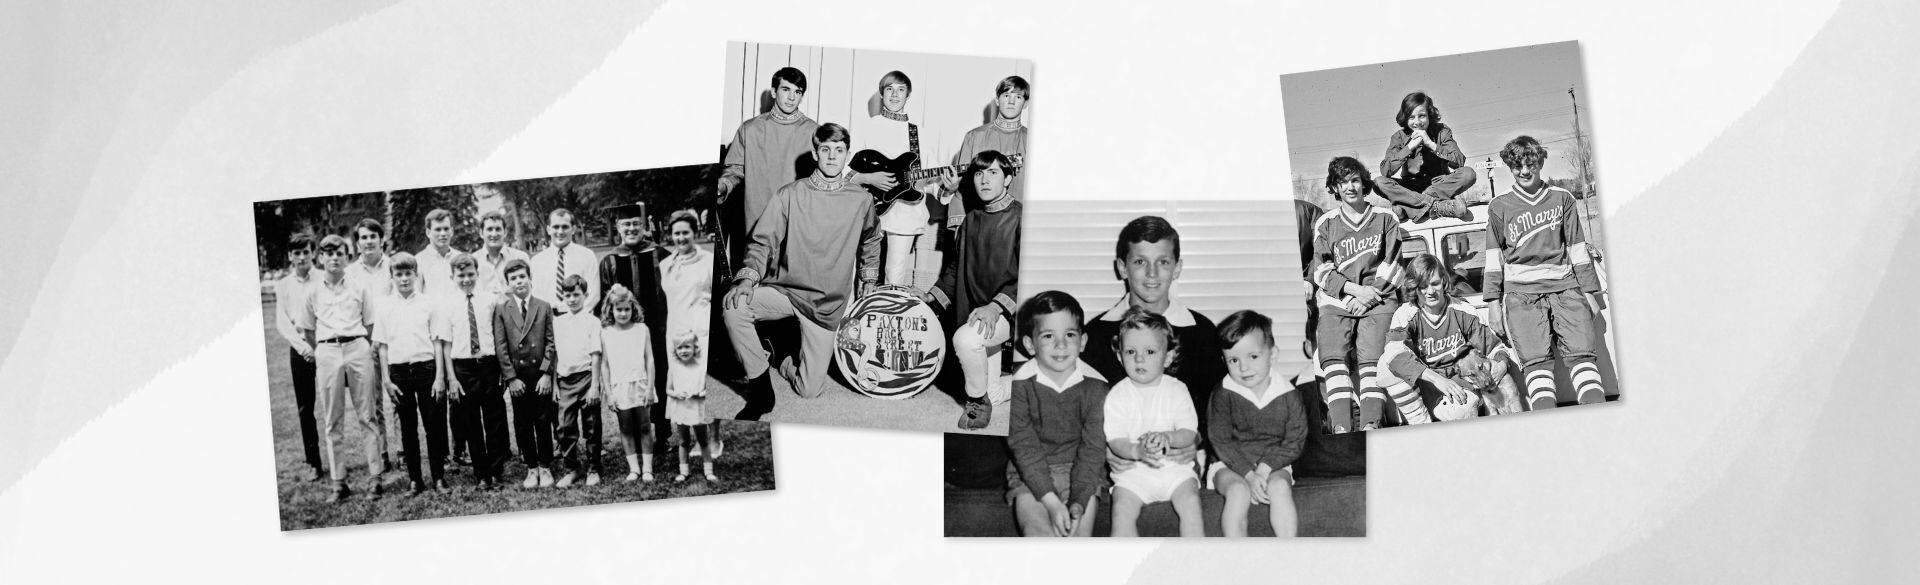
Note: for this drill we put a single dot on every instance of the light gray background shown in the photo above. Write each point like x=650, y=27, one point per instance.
x=1758, y=163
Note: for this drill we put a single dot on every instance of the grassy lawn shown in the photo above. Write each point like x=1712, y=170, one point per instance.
x=746, y=466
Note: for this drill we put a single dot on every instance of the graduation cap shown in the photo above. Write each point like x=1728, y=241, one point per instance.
x=626, y=211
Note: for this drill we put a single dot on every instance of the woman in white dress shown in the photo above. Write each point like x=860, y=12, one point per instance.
x=686, y=278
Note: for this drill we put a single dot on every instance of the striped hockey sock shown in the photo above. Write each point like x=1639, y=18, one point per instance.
x=1373, y=400
x=1407, y=399
x=1338, y=391
x=1586, y=383
x=1540, y=393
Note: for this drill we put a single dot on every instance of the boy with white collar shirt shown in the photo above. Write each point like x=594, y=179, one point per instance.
x=494, y=253
x=1057, y=433
x=335, y=316
x=407, y=334
x=289, y=292
x=436, y=269
x=1257, y=429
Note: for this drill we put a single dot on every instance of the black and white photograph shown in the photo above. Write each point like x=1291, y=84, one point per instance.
x=870, y=206
x=1456, y=266
x=1162, y=388
x=496, y=347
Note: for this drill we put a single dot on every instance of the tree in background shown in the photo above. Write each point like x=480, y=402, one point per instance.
x=409, y=212
x=525, y=202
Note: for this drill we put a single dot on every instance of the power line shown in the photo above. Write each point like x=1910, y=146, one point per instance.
x=1515, y=120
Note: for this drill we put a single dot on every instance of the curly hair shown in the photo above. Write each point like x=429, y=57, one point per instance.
x=619, y=295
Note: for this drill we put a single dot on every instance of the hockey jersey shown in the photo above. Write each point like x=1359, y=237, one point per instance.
x=1535, y=244
x=1417, y=341
x=1365, y=251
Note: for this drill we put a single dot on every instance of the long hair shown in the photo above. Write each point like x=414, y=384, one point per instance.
x=1415, y=100
x=618, y=296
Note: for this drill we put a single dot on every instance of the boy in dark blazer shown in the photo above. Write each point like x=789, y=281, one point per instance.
x=523, y=341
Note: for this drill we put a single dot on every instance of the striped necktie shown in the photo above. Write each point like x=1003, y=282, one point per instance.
x=473, y=329
x=560, y=271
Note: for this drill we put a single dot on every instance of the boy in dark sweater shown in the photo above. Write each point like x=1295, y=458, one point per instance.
x=1057, y=434
x=1258, y=428
x=979, y=284
x=1147, y=258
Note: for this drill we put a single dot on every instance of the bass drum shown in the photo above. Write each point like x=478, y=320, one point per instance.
x=890, y=345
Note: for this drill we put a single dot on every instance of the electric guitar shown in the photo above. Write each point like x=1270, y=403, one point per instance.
x=904, y=175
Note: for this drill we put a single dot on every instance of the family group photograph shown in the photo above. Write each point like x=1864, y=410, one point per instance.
x=1162, y=387
x=495, y=347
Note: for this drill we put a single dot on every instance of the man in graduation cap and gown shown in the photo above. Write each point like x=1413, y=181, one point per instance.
x=635, y=264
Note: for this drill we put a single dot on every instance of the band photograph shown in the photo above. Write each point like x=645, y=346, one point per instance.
x=870, y=210
x=1456, y=263
x=495, y=347
x=1161, y=387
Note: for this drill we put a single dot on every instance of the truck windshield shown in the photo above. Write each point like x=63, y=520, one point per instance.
x=1465, y=254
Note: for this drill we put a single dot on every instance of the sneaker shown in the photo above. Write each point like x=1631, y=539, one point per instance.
x=415, y=488
x=440, y=485
x=711, y=478
x=718, y=446
x=632, y=476
x=976, y=415
x=546, y=478
x=593, y=479
x=376, y=490
x=533, y=479
x=566, y=481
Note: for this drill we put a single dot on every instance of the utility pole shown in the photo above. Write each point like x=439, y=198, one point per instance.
x=1583, y=163
x=1492, y=190
x=1585, y=157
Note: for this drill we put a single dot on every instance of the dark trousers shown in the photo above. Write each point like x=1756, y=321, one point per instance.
x=1413, y=194
x=533, y=424
x=579, y=430
x=481, y=413
x=303, y=377
x=417, y=405
x=657, y=412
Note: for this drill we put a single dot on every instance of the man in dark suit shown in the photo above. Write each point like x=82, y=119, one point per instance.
x=523, y=341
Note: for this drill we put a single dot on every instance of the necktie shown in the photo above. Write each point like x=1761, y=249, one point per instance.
x=473, y=329
x=560, y=271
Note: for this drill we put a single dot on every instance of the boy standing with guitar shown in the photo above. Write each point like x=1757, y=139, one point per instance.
x=905, y=216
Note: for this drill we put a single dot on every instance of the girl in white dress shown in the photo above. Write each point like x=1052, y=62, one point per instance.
x=686, y=276
x=626, y=371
